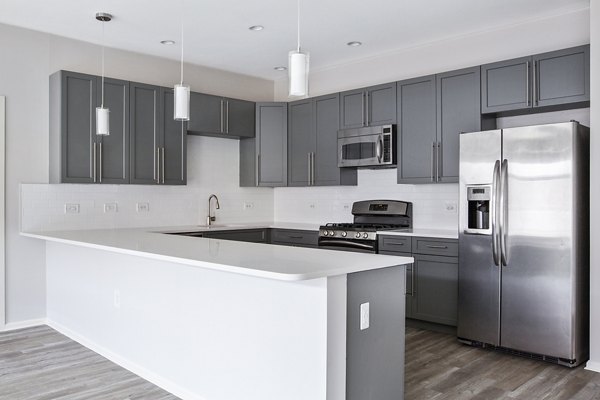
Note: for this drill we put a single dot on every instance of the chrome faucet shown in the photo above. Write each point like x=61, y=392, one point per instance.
x=210, y=219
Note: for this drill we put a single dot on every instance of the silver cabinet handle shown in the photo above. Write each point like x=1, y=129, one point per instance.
x=527, y=81
x=438, y=161
x=495, y=200
x=367, y=107
x=158, y=165
x=100, y=163
x=258, y=169
x=227, y=117
x=222, y=116
x=435, y=246
x=504, y=212
x=313, y=169
x=432, y=161
x=308, y=171
x=94, y=161
x=362, y=113
x=163, y=164
x=535, y=95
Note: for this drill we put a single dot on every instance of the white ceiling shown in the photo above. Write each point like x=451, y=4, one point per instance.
x=217, y=34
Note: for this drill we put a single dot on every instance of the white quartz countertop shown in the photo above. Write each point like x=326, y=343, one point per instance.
x=254, y=259
x=432, y=233
x=234, y=226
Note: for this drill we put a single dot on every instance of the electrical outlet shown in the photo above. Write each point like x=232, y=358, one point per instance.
x=248, y=205
x=450, y=207
x=110, y=207
x=312, y=206
x=364, y=316
x=117, y=298
x=142, y=207
x=71, y=208
x=346, y=207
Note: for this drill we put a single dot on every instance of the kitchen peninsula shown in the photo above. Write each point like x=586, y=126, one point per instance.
x=220, y=319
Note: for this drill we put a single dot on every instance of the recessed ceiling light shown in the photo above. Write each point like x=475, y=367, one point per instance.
x=280, y=68
x=167, y=42
x=354, y=44
x=256, y=28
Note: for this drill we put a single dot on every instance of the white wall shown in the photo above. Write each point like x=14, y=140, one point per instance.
x=28, y=58
x=595, y=187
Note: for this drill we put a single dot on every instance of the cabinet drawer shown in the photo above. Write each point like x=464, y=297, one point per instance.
x=250, y=235
x=295, y=237
x=438, y=247
x=395, y=244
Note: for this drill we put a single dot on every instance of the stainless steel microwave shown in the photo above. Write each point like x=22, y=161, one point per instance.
x=372, y=146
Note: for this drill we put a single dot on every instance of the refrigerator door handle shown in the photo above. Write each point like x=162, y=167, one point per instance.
x=504, y=212
x=495, y=198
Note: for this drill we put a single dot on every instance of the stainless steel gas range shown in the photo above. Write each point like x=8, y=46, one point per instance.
x=370, y=216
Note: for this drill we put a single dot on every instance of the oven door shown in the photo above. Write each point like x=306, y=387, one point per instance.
x=359, y=151
x=348, y=245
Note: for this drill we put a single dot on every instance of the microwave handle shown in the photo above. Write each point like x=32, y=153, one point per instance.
x=379, y=149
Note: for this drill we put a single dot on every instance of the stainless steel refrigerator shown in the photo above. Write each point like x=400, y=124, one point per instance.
x=524, y=241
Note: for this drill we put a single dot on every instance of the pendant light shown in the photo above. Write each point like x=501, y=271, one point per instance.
x=298, y=67
x=181, y=110
x=103, y=113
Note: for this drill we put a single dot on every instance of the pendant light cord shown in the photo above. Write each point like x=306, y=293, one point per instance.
x=102, y=101
x=298, y=26
x=182, y=6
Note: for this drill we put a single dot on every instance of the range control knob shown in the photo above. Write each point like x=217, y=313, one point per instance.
x=344, y=234
x=365, y=235
x=325, y=233
x=331, y=233
x=357, y=235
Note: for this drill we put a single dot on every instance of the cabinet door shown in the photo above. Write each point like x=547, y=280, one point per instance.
x=381, y=104
x=78, y=127
x=301, y=142
x=562, y=76
x=506, y=85
x=113, y=150
x=416, y=130
x=410, y=280
x=206, y=114
x=240, y=118
x=458, y=110
x=435, y=291
x=271, y=142
x=326, y=122
x=144, y=132
x=352, y=109
x=173, y=144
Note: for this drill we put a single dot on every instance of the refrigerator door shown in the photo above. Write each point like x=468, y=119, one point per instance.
x=537, y=226
x=479, y=276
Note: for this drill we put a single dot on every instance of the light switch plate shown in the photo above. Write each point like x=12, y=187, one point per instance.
x=364, y=316
x=142, y=207
x=450, y=207
x=110, y=207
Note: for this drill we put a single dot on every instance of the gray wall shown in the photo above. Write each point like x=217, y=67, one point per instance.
x=28, y=58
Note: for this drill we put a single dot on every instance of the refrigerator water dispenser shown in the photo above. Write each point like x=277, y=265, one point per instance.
x=479, y=199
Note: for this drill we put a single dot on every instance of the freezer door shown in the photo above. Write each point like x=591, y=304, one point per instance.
x=479, y=277
x=537, y=286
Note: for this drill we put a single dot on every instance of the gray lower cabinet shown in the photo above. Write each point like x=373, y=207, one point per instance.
x=263, y=158
x=295, y=237
x=312, y=144
x=221, y=116
x=77, y=154
x=242, y=235
x=375, y=105
x=549, y=79
x=432, y=281
x=432, y=112
x=158, y=142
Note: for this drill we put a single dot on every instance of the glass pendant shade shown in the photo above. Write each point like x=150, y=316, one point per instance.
x=102, y=121
x=182, y=103
x=298, y=73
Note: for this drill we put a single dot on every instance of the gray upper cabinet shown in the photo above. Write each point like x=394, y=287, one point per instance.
x=172, y=144
x=417, y=130
x=220, y=116
x=458, y=110
x=145, y=124
x=77, y=154
x=370, y=106
x=506, y=85
x=562, y=77
x=312, y=143
x=263, y=158
x=551, y=79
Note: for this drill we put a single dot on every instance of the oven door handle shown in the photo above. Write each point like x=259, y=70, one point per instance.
x=344, y=243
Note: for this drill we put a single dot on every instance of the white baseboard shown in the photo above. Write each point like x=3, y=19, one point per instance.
x=593, y=366
x=13, y=326
x=129, y=365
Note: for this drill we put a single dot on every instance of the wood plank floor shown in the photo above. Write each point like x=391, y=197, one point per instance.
x=41, y=364
x=438, y=367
